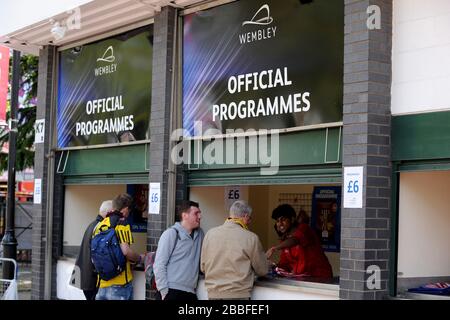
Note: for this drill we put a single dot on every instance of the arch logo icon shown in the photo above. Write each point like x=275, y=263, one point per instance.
x=108, y=55
x=265, y=20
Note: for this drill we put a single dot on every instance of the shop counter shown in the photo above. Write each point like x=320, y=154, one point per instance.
x=66, y=291
x=275, y=288
x=266, y=288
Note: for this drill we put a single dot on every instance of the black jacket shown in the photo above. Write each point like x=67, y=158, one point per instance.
x=88, y=277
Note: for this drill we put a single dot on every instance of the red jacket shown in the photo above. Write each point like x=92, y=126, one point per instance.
x=307, y=257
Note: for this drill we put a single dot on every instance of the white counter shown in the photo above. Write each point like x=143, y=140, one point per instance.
x=282, y=289
x=274, y=289
x=65, y=291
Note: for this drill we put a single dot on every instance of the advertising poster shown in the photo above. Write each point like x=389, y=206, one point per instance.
x=263, y=64
x=104, y=90
x=326, y=216
x=138, y=215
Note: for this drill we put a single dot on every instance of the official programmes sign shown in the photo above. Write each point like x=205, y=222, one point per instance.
x=263, y=64
x=104, y=91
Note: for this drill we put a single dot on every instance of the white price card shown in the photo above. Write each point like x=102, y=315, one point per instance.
x=37, y=196
x=154, y=198
x=353, y=187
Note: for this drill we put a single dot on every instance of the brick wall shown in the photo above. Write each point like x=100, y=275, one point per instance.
x=44, y=98
x=163, y=51
x=365, y=232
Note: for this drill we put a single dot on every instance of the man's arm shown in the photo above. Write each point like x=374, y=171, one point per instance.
x=125, y=237
x=259, y=261
x=129, y=253
x=165, y=245
x=204, y=253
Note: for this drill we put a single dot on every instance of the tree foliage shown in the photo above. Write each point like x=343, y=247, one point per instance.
x=26, y=116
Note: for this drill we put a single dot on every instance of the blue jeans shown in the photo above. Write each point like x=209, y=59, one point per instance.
x=124, y=292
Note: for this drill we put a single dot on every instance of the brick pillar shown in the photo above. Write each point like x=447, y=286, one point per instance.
x=365, y=232
x=181, y=188
x=163, y=53
x=58, y=223
x=44, y=98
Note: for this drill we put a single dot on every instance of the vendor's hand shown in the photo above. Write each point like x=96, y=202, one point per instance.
x=270, y=252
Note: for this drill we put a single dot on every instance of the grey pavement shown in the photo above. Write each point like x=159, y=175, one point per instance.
x=24, y=281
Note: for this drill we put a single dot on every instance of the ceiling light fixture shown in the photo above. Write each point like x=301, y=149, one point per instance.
x=57, y=30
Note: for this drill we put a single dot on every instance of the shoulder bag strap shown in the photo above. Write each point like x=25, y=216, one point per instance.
x=176, y=240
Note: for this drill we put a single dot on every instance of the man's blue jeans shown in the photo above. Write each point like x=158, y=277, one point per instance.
x=124, y=292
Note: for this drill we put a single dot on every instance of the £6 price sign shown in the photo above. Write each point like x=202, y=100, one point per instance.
x=353, y=187
x=232, y=194
x=154, y=198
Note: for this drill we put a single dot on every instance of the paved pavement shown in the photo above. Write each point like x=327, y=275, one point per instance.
x=24, y=281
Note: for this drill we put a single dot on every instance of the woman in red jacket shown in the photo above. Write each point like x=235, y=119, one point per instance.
x=301, y=251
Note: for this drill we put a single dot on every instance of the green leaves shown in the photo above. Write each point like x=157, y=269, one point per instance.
x=26, y=116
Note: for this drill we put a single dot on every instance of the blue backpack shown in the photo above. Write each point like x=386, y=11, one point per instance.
x=106, y=255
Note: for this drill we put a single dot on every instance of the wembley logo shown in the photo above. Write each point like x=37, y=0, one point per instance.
x=108, y=56
x=262, y=17
x=265, y=20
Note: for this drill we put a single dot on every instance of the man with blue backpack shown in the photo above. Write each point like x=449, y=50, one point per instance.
x=111, y=253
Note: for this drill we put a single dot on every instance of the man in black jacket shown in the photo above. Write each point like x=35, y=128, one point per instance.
x=84, y=275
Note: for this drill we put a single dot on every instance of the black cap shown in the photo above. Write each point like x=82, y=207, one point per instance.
x=283, y=210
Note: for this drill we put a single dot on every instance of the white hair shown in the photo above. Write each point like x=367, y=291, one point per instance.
x=105, y=208
x=239, y=209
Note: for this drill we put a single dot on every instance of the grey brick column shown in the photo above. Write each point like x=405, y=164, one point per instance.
x=365, y=232
x=182, y=187
x=58, y=223
x=163, y=53
x=44, y=98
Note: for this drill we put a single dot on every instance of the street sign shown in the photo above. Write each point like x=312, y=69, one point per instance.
x=39, y=131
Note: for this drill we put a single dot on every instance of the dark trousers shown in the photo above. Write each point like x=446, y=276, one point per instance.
x=175, y=294
x=90, y=294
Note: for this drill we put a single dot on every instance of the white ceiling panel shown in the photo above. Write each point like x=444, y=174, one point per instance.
x=92, y=18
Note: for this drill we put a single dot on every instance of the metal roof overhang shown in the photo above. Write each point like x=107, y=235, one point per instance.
x=96, y=17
